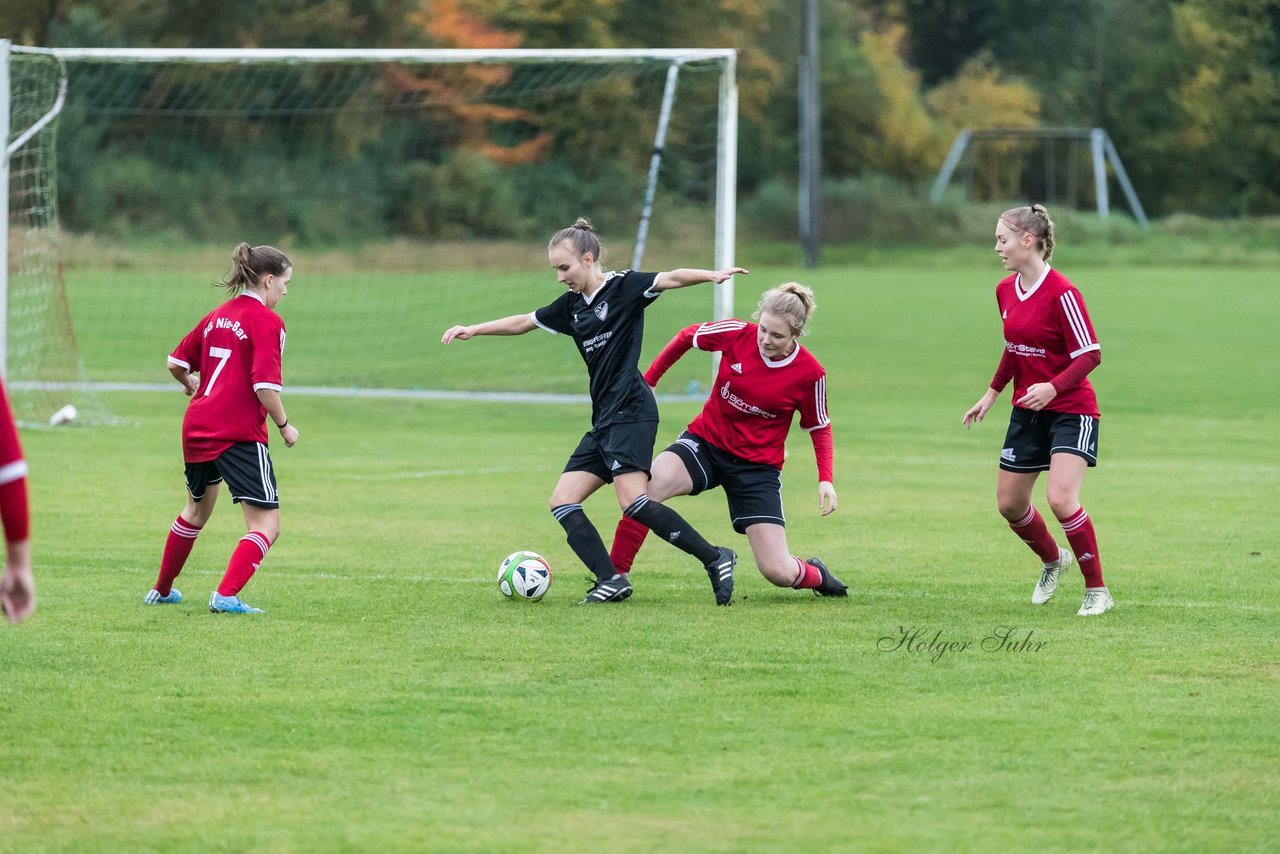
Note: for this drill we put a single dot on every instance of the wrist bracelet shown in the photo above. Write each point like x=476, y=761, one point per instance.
x=284, y=425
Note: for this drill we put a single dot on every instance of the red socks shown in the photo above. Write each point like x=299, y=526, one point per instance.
x=1035, y=533
x=627, y=539
x=244, y=563
x=1084, y=542
x=809, y=575
x=182, y=537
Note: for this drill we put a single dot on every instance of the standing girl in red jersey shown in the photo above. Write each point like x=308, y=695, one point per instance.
x=1049, y=350
x=230, y=365
x=17, y=588
x=739, y=438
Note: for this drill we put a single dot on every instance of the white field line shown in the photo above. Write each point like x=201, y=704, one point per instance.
x=418, y=475
x=342, y=391
x=325, y=576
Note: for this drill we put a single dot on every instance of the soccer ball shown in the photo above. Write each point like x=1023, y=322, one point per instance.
x=524, y=576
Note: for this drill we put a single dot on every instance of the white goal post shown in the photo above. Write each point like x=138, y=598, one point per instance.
x=658, y=86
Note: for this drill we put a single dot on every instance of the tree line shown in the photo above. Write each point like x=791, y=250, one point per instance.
x=1188, y=90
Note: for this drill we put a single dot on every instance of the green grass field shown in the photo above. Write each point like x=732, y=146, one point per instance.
x=389, y=699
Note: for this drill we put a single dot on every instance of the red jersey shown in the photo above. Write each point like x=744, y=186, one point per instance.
x=13, y=474
x=750, y=410
x=12, y=464
x=1045, y=328
x=237, y=349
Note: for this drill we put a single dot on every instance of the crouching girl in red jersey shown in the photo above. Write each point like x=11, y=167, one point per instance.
x=738, y=440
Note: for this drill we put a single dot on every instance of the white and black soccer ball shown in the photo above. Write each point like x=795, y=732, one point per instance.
x=524, y=576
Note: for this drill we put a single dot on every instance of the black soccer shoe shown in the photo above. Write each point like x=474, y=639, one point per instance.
x=720, y=571
x=830, y=586
x=613, y=589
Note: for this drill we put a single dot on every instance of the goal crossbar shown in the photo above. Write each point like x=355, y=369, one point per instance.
x=408, y=55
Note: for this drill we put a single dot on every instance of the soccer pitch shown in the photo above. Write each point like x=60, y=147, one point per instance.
x=390, y=699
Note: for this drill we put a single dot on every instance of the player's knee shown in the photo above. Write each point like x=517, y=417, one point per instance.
x=778, y=572
x=1063, y=503
x=198, y=514
x=1012, y=509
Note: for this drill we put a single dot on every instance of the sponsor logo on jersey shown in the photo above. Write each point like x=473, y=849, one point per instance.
x=602, y=310
x=1024, y=350
x=736, y=367
x=741, y=405
x=1004, y=315
x=598, y=341
x=1008, y=455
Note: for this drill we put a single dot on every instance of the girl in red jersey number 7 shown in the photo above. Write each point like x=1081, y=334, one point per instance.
x=1049, y=350
x=230, y=366
x=738, y=439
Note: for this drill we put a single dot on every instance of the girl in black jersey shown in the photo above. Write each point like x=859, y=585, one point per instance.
x=604, y=314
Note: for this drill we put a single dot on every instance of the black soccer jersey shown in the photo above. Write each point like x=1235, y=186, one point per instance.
x=608, y=328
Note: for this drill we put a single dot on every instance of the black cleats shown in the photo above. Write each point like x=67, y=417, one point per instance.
x=613, y=589
x=720, y=571
x=830, y=586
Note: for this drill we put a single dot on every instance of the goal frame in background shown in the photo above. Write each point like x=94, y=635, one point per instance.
x=725, y=190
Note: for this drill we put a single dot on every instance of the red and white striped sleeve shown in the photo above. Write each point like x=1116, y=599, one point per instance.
x=13, y=477
x=1077, y=329
x=813, y=408
x=716, y=335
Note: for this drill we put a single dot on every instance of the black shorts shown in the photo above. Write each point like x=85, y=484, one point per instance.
x=753, y=490
x=615, y=449
x=246, y=467
x=1034, y=437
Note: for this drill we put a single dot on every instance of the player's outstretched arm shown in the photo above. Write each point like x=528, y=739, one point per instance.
x=684, y=277
x=676, y=347
x=516, y=324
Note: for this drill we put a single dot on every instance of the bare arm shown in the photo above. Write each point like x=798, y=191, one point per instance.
x=684, y=277
x=270, y=399
x=516, y=324
x=17, y=587
x=189, y=381
x=978, y=411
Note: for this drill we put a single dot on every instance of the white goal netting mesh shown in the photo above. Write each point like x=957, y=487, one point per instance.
x=409, y=195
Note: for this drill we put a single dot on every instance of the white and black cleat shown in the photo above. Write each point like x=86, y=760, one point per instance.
x=720, y=571
x=613, y=589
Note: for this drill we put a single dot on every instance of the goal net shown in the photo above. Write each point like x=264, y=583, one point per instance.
x=38, y=354
x=411, y=189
